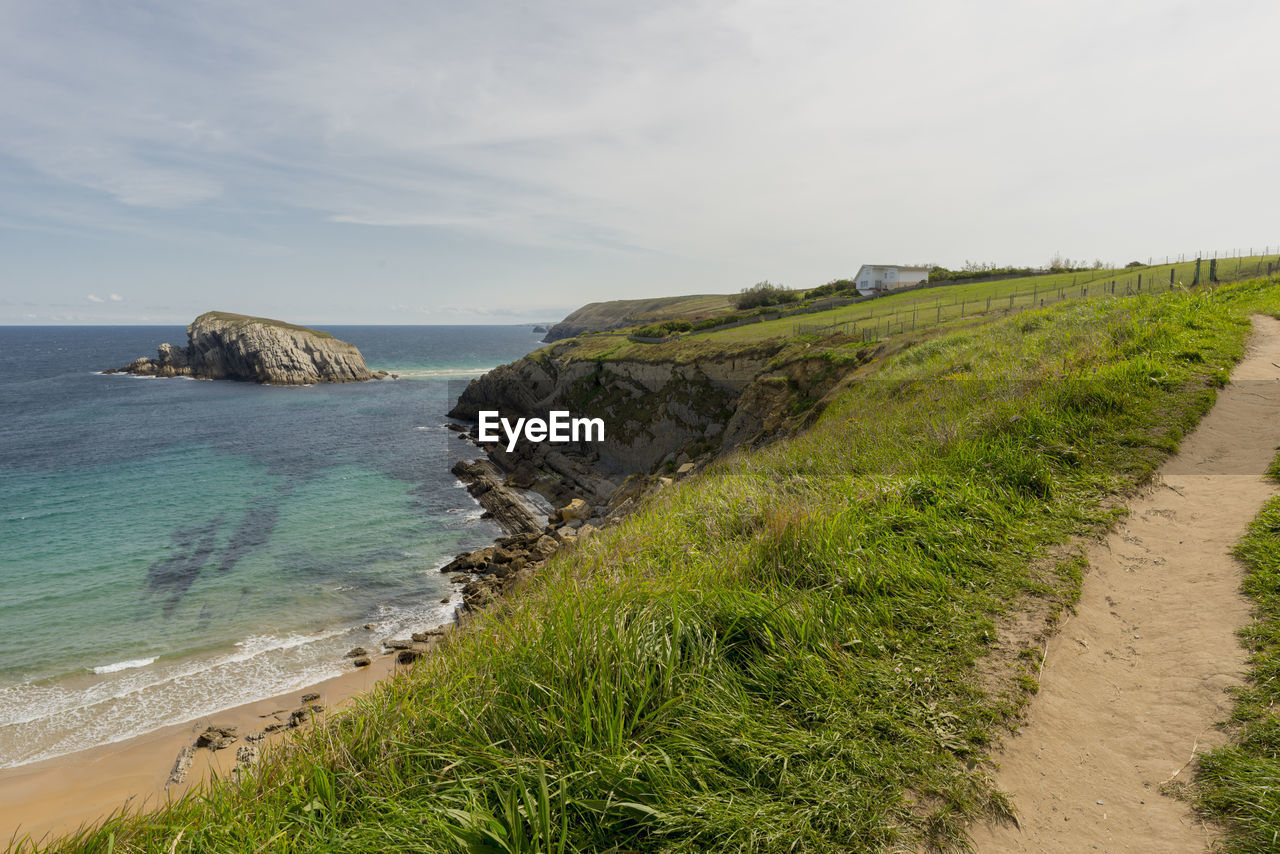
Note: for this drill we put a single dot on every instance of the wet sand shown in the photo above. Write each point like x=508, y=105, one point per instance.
x=45, y=800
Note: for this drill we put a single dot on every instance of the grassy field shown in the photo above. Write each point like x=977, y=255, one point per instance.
x=1239, y=784
x=612, y=314
x=794, y=651
x=930, y=306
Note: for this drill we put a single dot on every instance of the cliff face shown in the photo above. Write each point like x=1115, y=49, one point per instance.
x=238, y=347
x=658, y=415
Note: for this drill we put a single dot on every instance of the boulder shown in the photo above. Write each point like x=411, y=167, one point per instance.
x=412, y=654
x=362, y=661
x=575, y=509
x=181, y=766
x=217, y=737
x=545, y=547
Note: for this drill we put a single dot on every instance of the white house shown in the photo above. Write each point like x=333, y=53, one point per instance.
x=882, y=278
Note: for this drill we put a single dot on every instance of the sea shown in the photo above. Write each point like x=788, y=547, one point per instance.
x=170, y=548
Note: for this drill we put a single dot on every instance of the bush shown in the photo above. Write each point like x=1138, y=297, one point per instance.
x=830, y=288
x=765, y=293
x=663, y=329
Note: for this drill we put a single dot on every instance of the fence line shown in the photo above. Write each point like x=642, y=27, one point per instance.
x=918, y=316
x=1134, y=283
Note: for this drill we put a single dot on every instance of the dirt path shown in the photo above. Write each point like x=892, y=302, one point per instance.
x=1133, y=683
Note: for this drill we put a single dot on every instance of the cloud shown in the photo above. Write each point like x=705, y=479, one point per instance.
x=603, y=150
x=95, y=299
x=116, y=298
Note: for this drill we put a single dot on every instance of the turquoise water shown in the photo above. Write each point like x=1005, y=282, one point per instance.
x=169, y=548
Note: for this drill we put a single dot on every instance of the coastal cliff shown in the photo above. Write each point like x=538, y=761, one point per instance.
x=667, y=410
x=221, y=345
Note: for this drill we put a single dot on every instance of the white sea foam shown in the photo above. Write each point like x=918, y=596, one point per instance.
x=41, y=721
x=123, y=665
x=437, y=373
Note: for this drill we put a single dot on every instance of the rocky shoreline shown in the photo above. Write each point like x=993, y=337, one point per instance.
x=530, y=539
x=529, y=543
x=544, y=499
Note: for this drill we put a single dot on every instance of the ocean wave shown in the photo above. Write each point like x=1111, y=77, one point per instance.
x=123, y=665
x=437, y=373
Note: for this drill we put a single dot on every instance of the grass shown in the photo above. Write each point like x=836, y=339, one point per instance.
x=930, y=306
x=1239, y=784
x=616, y=313
x=781, y=654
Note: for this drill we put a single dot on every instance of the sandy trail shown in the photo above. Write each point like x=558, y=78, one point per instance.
x=1133, y=683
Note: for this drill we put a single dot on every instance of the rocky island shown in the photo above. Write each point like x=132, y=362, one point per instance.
x=222, y=345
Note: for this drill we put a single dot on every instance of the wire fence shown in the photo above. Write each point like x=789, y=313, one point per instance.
x=918, y=314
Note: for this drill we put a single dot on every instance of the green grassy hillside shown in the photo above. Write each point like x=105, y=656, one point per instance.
x=796, y=650
x=912, y=310
x=615, y=314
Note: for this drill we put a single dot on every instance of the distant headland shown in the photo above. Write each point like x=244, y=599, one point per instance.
x=222, y=345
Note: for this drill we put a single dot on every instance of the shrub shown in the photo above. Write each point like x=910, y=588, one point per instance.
x=663, y=329
x=765, y=293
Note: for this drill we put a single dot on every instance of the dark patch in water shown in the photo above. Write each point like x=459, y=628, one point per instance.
x=173, y=576
x=253, y=533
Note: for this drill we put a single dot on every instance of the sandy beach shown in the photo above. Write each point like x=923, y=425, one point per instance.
x=44, y=800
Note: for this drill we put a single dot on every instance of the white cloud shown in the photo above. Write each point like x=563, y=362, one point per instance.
x=95, y=299
x=116, y=298
x=713, y=142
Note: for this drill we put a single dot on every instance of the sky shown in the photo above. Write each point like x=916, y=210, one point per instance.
x=415, y=161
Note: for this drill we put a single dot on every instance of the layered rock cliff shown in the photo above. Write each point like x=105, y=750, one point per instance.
x=660, y=416
x=221, y=345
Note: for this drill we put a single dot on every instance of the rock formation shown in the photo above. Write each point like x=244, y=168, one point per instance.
x=255, y=349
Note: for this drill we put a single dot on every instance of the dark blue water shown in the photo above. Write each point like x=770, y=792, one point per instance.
x=170, y=547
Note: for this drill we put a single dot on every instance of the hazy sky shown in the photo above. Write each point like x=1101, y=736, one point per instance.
x=461, y=162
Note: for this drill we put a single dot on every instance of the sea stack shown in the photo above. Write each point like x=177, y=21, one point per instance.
x=225, y=346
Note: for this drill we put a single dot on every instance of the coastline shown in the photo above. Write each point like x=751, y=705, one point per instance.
x=53, y=797
x=50, y=798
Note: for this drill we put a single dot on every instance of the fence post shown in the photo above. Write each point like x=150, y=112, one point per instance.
x=1196, y=279
x=1171, y=271
x=1213, y=270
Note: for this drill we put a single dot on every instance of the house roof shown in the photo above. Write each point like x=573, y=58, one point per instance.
x=911, y=268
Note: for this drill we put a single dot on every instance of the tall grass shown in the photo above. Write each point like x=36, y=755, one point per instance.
x=779, y=655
